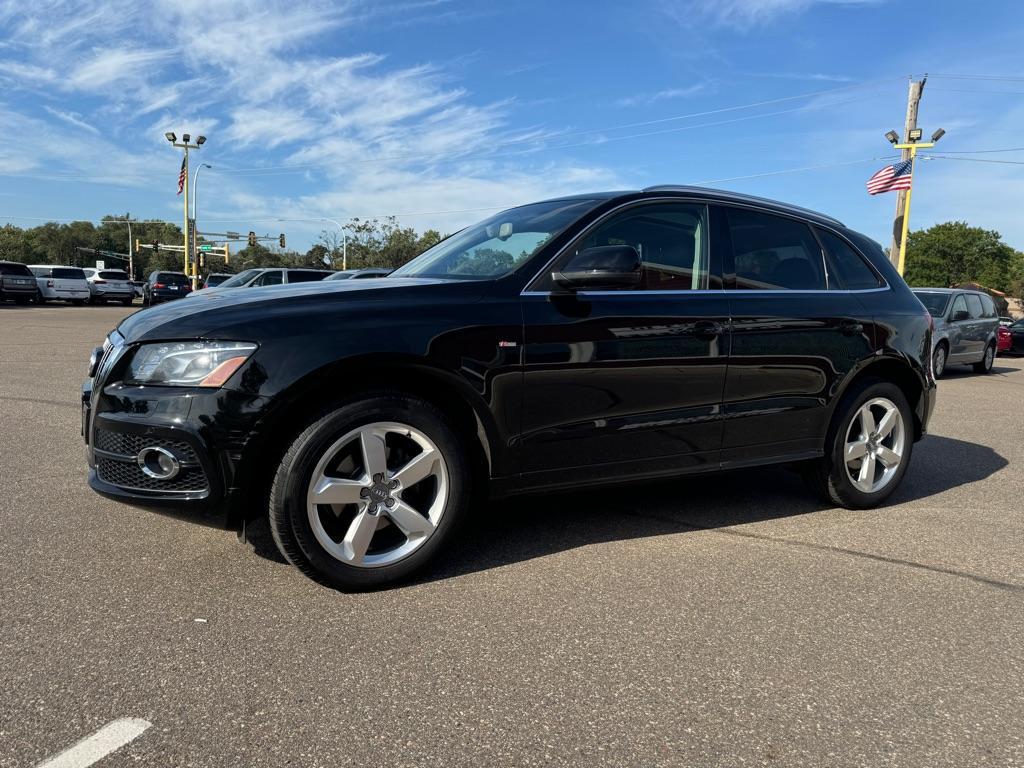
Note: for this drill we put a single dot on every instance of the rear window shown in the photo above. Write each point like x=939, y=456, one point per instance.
x=113, y=274
x=214, y=280
x=935, y=303
x=846, y=268
x=15, y=269
x=989, y=307
x=305, y=276
x=68, y=273
x=172, y=278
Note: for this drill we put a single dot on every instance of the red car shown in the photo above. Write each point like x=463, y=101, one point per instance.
x=1004, y=339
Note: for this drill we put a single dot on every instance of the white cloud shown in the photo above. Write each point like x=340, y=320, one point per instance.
x=646, y=99
x=71, y=118
x=744, y=14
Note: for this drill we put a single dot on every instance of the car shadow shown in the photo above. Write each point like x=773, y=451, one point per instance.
x=523, y=528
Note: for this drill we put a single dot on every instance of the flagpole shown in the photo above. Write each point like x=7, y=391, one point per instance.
x=186, y=213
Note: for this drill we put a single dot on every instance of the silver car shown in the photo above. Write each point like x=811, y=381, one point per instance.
x=966, y=323
x=109, y=285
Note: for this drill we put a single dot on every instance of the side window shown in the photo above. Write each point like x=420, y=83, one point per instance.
x=671, y=239
x=988, y=306
x=773, y=252
x=959, y=305
x=304, y=276
x=847, y=269
x=269, y=278
x=974, y=306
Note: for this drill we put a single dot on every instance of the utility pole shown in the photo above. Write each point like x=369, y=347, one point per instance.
x=899, y=224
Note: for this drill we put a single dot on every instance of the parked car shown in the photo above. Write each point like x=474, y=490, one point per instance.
x=17, y=282
x=165, y=286
x=261, y=276
x=60, y=283
x=216, y=278
x=965, y=328
x=359, y=274
x=109, y=285
x=1016, y=338
x=1004, y=320
x=1004, y=339
x=566, y=344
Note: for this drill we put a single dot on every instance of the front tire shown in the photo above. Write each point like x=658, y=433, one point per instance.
x=869, y=446
x=370, y=492
x=985, y=364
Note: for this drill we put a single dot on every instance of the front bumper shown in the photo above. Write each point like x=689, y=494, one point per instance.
x=205, y=430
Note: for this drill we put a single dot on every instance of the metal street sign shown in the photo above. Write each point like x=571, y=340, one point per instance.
x=232, y=235
x=101, y=264
x=205, y=247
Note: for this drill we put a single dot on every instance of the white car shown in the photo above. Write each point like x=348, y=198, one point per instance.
x=60, y=283
x=109, y=285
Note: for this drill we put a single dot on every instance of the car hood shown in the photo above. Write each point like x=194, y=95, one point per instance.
x=224, y=311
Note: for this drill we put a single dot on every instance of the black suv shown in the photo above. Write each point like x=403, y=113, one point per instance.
x=165, y=286
x=601, y=338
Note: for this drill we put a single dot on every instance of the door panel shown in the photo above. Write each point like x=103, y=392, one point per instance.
x=623, y=377
x=959, y=330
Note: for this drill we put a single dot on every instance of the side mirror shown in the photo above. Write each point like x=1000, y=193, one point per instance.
x=605, y=266
x=960, y=314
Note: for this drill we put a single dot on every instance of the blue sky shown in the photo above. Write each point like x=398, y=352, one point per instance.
x=437, y=109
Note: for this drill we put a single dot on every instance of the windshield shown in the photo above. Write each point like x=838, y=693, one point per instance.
x=497, y=245
x=240, y=279
x=935, y=303
x=215, y=280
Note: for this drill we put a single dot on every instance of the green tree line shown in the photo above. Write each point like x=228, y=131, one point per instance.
x=954, y=252
x=370, y=243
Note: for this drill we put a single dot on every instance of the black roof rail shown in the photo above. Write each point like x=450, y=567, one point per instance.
x=721, y=194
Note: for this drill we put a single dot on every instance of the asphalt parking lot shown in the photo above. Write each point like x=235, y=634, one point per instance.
x=730, y=620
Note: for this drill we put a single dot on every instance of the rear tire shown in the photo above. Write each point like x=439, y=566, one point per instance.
x=78, y=302
x=939, y=358
x=985, y=364
x=886, y=444
x=21, y=300
x=126, y=302
x=391, y=517
x=40, y=299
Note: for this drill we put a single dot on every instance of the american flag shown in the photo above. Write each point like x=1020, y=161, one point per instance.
x=181, y=176
x=892, y=177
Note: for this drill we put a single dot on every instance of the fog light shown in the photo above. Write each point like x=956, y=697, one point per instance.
x=158, y=463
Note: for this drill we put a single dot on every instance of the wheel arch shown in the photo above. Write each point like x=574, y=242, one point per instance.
x=891, y=368
x=342, y=381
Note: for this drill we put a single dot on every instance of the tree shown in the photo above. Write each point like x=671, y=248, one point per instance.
x=954, y=252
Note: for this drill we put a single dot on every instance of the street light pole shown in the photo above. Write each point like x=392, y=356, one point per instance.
x=344, y=237
x=185, y=139
x=910, y=147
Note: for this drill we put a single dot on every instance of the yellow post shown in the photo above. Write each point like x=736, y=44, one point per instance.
x=913, y=147
x=187, y=271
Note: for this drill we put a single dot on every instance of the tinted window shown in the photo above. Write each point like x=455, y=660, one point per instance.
x=68, y=273
x=113, y=274
x=270, y=278
x=959, y=305
x=171, y=278
x=15, y=269
x=974, y=305
x=365, y=275
x=214, y=280
x=846, y=268
x=773, y=252
x=304, y=276
x=671, y=239
x=988, y=306
x=935, y=303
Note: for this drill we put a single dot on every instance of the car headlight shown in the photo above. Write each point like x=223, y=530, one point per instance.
x=188, y=363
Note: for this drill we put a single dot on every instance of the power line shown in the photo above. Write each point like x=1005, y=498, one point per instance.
x=1005, y=78
x=971, y=90
x=976, y=160
x=796, y=170
x=980, y=151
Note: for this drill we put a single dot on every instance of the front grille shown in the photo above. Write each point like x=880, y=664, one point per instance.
x=121, y=467
x=129, y=445
x=130, y=475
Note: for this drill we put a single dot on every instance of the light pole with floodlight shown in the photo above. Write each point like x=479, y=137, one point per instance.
x=184, y=144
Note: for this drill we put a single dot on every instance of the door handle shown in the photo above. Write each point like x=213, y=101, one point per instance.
x=851, y=328
x=707, y=329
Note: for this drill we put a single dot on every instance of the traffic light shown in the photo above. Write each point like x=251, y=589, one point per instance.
x=281, y=240
x=156, y=247
x=252, y=238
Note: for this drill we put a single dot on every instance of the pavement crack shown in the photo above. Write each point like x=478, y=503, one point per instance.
x=1005, y=585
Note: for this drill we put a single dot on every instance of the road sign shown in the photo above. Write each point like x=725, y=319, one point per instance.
x=205, y=247
x=232, y=235
x=101, y=264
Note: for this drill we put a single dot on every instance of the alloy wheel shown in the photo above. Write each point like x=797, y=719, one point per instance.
x=377, y=494
x=875, y=443
x=940, y=361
